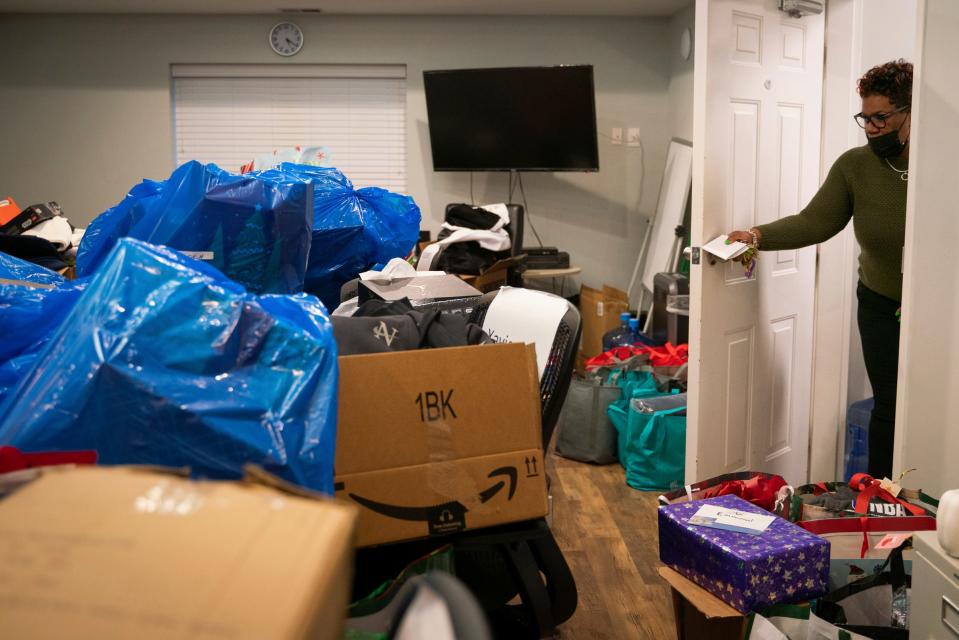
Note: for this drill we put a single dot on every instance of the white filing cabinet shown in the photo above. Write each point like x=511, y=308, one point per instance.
x=934, y=611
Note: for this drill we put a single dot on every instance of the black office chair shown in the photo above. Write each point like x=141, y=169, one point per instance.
x=517, y=559
x=562, y=357
x=517, y=219
x=521, y=558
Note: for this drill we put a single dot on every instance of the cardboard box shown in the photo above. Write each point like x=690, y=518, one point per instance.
x=121, y=552
x=440, y=440
x=26, y=283
x=494, y=277
x=699, y=614
x=600, y=312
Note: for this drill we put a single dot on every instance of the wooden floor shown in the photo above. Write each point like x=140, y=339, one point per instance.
x=608, y=533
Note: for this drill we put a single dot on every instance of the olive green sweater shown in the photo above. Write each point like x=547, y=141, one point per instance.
x=863, y=187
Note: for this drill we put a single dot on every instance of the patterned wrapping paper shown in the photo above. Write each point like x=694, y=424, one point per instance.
x=750, y=572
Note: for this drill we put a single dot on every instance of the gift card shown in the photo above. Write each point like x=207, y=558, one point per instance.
x=893, y=540
x=731, y=519
x=719, y=248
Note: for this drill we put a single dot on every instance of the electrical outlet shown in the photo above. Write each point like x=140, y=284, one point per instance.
x=632, y=137
x=617, y=135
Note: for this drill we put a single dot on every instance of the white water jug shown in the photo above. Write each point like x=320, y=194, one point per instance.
x=947, y=522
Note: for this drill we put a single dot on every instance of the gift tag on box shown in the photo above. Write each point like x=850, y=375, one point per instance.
x=893, y=540
x=731, y=520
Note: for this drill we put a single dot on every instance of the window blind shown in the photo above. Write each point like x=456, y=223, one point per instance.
x=229, y=114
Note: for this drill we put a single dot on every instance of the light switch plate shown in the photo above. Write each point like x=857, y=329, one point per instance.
x=617, y=135
x=632, y=137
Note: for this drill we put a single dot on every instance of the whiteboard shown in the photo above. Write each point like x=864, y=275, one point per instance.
x=673, y=198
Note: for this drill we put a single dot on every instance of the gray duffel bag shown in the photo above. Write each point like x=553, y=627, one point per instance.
x=584, y=430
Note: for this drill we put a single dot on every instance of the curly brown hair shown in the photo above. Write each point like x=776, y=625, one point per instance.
x=892, y=80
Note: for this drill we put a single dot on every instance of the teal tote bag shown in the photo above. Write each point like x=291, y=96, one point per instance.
x=652, y=447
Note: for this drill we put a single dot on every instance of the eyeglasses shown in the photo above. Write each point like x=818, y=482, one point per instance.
x=878, y=120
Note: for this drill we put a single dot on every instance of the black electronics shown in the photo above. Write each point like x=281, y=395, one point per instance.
x=30, y=217
x=512, y=119
x=540, y=251
x=558, y=260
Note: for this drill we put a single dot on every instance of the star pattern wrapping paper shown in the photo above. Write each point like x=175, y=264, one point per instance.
x=783, y=564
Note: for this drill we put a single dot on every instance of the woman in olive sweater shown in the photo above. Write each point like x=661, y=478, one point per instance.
x=868, y=186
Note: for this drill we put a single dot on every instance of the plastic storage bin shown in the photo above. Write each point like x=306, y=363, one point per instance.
x=856, y=458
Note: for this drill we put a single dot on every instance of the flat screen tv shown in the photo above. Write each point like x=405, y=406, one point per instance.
x=512, y=119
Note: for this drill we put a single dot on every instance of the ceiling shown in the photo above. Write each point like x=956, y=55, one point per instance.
x=635, y=8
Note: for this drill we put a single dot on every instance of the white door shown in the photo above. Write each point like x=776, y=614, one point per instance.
x=758, y=92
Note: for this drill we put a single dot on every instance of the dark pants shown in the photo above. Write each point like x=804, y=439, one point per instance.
x=879, y=329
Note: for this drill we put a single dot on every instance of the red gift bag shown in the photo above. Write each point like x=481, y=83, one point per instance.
x=665, y=356
x=761, y=489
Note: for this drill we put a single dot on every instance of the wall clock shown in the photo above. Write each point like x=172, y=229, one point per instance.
x=286, y=39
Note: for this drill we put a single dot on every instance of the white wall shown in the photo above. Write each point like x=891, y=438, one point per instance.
x=927, y=437
x=86, y=108
x=681, y=75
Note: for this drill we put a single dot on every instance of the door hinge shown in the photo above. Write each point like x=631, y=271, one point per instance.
x=800, y=8
x=694, y=255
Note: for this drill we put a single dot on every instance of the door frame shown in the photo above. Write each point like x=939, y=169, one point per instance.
x=835, y=297
x=838, y=381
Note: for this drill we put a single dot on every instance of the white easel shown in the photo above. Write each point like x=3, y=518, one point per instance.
x=674, y=193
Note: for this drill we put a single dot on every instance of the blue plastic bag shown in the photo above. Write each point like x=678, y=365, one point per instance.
x=165, y=361
x=353, y=229
x=255, y=228
x=106, y=229
x=13, y=268
x=29, y=316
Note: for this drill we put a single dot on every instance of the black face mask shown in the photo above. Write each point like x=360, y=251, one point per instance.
x=887, y=145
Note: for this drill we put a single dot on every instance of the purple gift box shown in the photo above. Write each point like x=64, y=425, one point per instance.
x=751, y=572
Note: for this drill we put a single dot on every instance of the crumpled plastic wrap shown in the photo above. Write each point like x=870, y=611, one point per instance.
x=255, y=228
x=164, y=361
x=900, y=607
x=29, y=316
x=13, y=268
x=353, y=229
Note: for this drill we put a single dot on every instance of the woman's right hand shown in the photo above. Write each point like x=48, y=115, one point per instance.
x=741, y=236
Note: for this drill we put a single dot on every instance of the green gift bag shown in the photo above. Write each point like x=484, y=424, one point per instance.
x=635, y=384
x=652, y=446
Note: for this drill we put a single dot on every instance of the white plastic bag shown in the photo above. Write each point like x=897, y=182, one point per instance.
x=790, y=628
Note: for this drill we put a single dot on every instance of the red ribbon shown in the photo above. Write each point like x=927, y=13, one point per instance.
x=12, y=459
x=869, y=488
x=759, y=490
x=864, y=523
x=867, y=526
